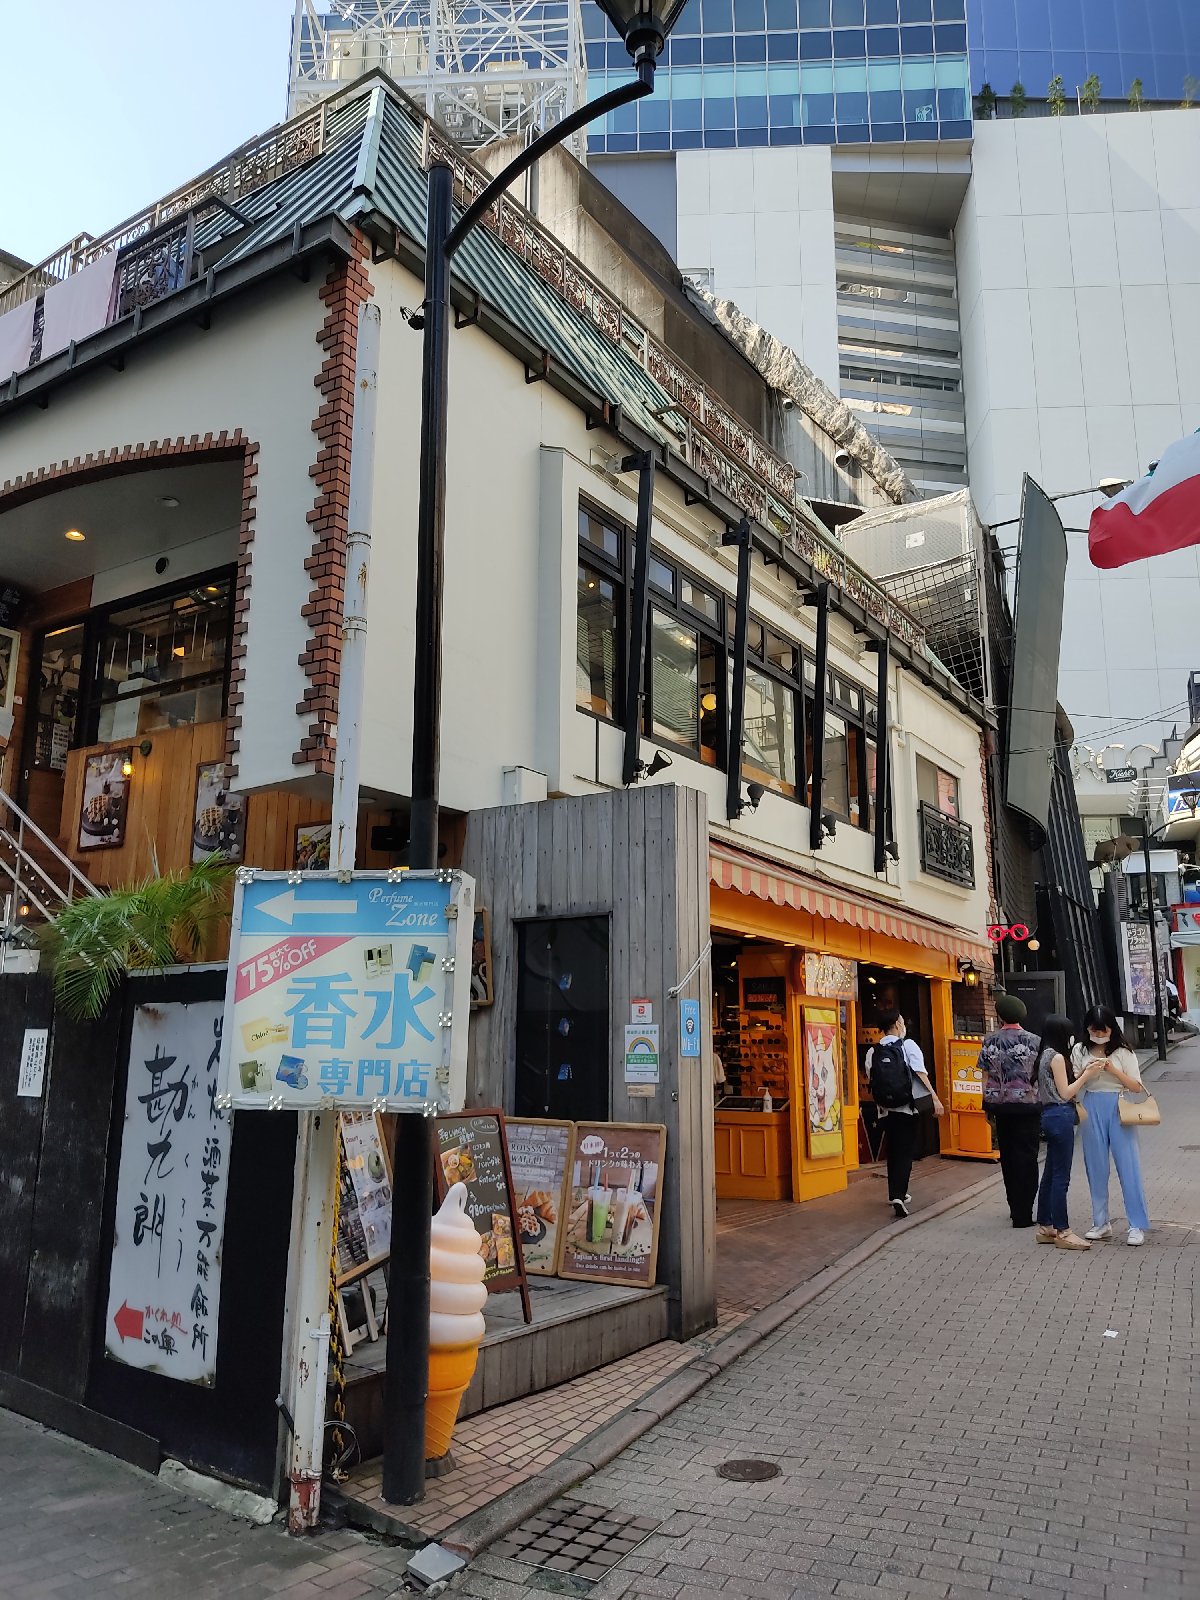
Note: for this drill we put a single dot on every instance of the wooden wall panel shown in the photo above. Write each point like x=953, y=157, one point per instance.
x=641, y=857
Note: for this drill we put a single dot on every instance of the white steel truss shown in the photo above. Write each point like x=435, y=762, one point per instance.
x=483, y=69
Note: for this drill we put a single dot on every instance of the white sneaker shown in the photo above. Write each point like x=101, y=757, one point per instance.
x=908, y=1199
x=1136, y=1236
x=900, y=1208
x=1104, y=1231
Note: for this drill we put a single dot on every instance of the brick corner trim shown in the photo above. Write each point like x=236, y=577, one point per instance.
x=345, y=288
x=223, y=446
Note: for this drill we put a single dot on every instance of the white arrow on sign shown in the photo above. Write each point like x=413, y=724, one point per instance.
x=287, y=907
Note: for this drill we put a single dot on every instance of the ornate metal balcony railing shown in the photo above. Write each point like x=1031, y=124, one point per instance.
x=249, y=167
x=947, y=846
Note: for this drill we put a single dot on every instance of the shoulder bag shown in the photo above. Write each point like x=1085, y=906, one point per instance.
x=1138, y=1113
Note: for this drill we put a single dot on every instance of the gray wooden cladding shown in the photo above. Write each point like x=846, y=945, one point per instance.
x=639, y=856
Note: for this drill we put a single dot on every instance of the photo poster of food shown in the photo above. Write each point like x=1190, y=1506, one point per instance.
x=311, y=853
x=102, y=807
x=365, y=1196
x=471, y=1148
x=822, y=1082
x=537, y=1157
x=612, y=1211
x=219, y=822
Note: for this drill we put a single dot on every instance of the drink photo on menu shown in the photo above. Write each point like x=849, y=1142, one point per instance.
x=612, y=1211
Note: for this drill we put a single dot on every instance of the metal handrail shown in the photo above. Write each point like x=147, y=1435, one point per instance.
x=26, y=822
x=257, y=162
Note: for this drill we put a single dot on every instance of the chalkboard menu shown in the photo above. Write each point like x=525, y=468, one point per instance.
x=537, y=1155
x=472, y=1149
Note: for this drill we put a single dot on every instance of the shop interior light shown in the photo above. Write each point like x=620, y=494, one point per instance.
x=1034, y=944
x=74, y=535
x=708, y=702
x=872, y=980
x=168, y=500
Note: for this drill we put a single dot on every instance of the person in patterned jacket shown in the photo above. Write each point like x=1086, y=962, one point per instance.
x=1010, y=1090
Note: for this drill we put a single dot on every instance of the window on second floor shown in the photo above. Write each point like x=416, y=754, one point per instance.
x=937, y=787
x=689, y=671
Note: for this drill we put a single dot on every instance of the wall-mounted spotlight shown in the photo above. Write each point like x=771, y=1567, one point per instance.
x=651, y=769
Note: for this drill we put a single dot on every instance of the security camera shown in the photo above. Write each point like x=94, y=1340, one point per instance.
x=842, y=458
x=788, y=403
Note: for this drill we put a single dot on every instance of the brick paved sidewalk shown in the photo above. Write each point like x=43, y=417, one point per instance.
x=949, y=1420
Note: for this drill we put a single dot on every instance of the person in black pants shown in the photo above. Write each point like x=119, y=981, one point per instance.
x=903, y=1122
x=1010, y=1090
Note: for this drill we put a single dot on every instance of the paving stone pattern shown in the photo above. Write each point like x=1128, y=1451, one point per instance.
x=950, y=1421
x=75, y=1523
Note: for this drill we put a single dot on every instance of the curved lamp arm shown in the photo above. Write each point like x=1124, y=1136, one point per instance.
x=642, y=85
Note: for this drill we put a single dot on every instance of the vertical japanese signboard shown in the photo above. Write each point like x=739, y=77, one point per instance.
x=164, y=1287
x=353, y=992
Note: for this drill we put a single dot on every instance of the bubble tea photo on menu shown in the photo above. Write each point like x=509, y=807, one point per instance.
x=611, y=1218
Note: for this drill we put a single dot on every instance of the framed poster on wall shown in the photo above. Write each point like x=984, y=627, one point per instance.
x=102, y=802
x=822, y=1081
x=219, y=817
x=613, y=1212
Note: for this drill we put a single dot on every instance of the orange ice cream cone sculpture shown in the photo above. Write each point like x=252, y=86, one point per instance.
x=456, y=1297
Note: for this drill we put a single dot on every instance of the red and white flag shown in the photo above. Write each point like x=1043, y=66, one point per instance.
x=1159, y=512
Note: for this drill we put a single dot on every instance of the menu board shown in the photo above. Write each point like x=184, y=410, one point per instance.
x=365, y=1196
x=471, y=1149
x=966, y=1075
x=537, y=1158
x=612, y=1218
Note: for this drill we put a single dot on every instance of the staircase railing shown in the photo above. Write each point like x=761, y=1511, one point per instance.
x=27, y=876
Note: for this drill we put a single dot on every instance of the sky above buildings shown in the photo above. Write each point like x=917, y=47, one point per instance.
x=109, y=107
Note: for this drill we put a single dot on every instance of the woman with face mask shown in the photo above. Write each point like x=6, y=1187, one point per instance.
x=1103, y=1132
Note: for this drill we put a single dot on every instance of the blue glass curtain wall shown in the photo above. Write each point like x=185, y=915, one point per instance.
x=757, y=72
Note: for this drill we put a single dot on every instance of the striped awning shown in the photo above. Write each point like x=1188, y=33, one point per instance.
x=733, y=869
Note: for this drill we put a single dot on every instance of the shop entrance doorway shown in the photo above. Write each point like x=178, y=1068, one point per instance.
x=881, y=990
x=562, y=1019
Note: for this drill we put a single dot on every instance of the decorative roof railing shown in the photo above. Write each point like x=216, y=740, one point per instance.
x=251, y=166
x=706, y=433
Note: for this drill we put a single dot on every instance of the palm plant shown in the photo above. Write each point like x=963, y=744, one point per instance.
x=1056, y=95
x=93, y=942
x=1091, y=92
x=1136, y=95
x=1017, y=99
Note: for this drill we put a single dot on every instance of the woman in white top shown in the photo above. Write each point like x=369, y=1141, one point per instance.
x=1103, y=1132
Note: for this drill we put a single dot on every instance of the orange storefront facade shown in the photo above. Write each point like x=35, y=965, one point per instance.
x=801, y=966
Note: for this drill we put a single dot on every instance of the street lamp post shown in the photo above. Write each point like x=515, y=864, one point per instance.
x=643, y=25
x=1160, y=1026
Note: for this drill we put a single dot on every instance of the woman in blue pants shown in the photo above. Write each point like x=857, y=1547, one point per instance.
x=1058, y=1090
x=1103, y=1132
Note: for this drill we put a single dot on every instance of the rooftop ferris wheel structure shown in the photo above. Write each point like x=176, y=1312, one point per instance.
x=484, y=70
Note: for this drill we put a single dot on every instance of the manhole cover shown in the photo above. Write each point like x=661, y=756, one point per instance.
x=748, y=1471
x=585, y=1540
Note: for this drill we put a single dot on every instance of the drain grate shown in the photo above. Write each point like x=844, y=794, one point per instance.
x=585, y=1540
x=748, y=1471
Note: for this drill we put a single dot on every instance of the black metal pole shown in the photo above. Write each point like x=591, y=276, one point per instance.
x=817, y=776
x=635, y=665
x=1160, y=1027
x=739, y=536
x=882, y=748
x=431, y=526
x=406, y=1381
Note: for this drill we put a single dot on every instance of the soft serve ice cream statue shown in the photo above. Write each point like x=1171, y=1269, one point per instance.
x=457, y=1294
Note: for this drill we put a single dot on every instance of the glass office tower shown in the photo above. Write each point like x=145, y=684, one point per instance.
x=1032, y=41
x=774, y=72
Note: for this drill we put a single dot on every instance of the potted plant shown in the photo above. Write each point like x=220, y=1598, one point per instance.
x=94, y=941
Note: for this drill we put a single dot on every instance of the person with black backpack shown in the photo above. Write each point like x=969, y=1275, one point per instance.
x=901, y=1090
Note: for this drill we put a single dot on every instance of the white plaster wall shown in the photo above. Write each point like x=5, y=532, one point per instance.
x=1078, y=251
x=253, y=370
x=762, y=222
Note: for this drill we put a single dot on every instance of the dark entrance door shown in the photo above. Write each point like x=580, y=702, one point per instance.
x=562, y=1019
